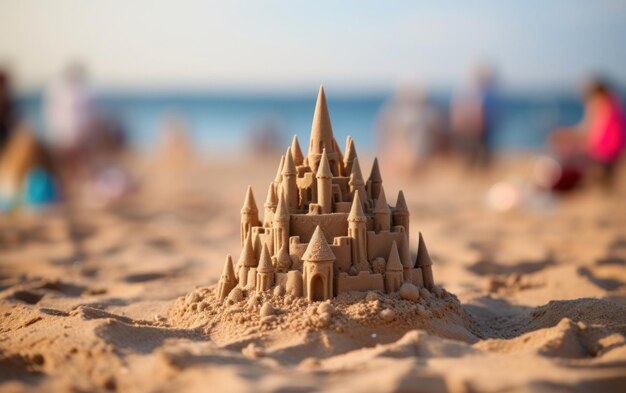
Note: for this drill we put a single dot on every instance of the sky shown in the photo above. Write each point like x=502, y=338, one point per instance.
x=299, y=44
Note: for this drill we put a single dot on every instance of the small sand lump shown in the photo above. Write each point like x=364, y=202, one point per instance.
x=387, y=315
x=325, y=308
x=267, y=310
x=235, y=296
x=409, y=291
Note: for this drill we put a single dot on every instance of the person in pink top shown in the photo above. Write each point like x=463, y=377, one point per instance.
x=598, y=141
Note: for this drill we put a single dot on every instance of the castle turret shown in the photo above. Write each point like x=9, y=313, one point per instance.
x=228, y=280
x=318, y=268
x=279, y=174
x=265, y=271
x=322, y=136
x=375, y=181
x=270, y=206
x=283, y=260
x=349, y=156
x=247, y=260
x=296, y=151
x=382, y=213
x=324, y=185
x=280, y=225
x=400, y=215
x=356, y=182
x=249, y=215
x=290, y=189
x=357, y=231
x=393, y=271
x=424, y=262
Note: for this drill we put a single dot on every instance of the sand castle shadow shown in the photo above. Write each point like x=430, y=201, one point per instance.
x=489, y=266
x=608, y=284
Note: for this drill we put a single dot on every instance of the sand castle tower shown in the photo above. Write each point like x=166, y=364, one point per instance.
x=228, y=280
x=393, y=272
x=265, y=271
x=325, y=230
x=424, y=262
x=322, y=137
x=318, y=268
x=249, y=214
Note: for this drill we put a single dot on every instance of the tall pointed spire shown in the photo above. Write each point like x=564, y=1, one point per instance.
x=318, y=249
x=393, y=262
x=381, y=203
x=296, y=151
x=289, y=167
x=356, y=211
x=424, y=262
x=279, y=171
x=324, y=172
x=247, y=256
x=249, y=204
x=228, y=273
x=271, y=199
x=282, y=211
x=375, y=180
x=265, y=263
x=228, y=280
x=350, y=155
x=321, y=128
x=401, y=206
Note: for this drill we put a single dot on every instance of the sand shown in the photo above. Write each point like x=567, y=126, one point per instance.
x=123, y=298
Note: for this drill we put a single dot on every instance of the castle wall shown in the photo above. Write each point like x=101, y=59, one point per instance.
x=416, y=277
x=379, y=244
x=343, y=254
x=333, y=225
x=363, y=282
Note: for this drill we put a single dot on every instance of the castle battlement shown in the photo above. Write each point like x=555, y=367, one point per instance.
x=325, y=229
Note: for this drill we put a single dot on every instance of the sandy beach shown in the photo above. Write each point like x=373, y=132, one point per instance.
x=100, y=299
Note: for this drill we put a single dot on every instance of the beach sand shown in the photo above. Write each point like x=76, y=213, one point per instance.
x=111, y=299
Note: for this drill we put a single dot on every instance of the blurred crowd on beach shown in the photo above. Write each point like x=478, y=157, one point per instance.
x=82, y=152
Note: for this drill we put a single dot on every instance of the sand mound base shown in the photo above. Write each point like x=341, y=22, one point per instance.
x=256, y=322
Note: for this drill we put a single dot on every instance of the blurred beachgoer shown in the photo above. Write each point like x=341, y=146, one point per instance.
x=266, y=136
x=597, y=142
x=86, y=141
x=410, y=129
x=27, y=174
x=7, y=109
x=473, y=115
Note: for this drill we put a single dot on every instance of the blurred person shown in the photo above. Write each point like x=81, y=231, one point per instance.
x=410, y=129
x=473, y=117
x=27, y=173
x=266, y=136
x=596, y=143
x=86, y=142
x=175, y=153
x=7, y=109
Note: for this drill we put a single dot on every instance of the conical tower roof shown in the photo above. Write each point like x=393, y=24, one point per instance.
x=296, y=151
x=282, y=212
x=228, y=274
x=324, y=172
x=401, y=206
x=350, y=155
x=375, y=174
x=423, y=259
x=247, y=256
x=393, y=262
x=289, y=168
x=321, y=128
x=265, y=263
x=356, y=177
x=381, y=203
x=279, y=171
x=318, y=249
x=356, y=211
x=271, y=199
x=249, y=204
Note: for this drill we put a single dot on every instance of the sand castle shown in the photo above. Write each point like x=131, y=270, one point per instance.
x=315, y=199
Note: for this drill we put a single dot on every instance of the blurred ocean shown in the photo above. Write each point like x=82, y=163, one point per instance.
x=218, y=122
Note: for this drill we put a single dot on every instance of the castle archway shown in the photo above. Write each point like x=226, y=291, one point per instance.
x=317, y=288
